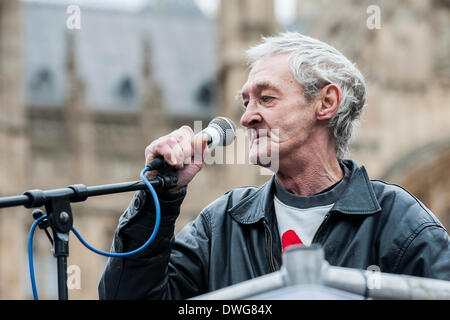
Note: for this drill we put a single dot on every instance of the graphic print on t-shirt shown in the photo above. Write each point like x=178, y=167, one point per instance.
x=290, y=238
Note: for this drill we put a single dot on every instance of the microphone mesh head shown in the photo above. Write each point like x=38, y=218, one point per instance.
x=226, y=128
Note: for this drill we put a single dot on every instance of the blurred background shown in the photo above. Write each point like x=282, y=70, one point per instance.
x=79, y=105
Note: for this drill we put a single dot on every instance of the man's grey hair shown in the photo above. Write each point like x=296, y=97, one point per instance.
x=315, y=64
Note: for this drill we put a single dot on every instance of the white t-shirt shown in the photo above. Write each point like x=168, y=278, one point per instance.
x=298, y=217
x=298, y=225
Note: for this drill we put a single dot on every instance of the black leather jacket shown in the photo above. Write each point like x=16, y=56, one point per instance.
x=236, y=238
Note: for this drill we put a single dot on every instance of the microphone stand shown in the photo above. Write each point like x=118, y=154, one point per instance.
x=59, y=212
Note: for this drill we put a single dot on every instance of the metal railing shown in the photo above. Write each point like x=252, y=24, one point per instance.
x=307, y=265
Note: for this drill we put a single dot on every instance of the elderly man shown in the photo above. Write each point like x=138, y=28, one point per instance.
x=305, y=97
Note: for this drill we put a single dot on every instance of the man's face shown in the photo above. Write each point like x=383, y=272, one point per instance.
x=277, y=116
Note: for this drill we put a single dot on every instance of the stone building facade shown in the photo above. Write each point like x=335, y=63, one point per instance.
x=13, y=150
x=56, y=130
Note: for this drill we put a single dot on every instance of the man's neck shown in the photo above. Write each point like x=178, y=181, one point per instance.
x=308, y=175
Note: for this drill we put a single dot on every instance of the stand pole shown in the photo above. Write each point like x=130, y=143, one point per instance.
x=62, y=278
x=61, y=253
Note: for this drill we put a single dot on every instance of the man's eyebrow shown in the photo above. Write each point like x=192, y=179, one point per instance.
x=260, y=86
x=267, y=85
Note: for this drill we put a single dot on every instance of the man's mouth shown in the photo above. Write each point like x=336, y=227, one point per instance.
x=255, y=135
x=259, y=139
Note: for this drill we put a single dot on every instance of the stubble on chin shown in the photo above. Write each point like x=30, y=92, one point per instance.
x=264, y=149
x=261, y=151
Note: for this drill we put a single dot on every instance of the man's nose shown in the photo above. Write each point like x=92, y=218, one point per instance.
x=251, y=116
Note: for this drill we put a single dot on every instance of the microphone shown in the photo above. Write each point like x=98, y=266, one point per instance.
x=221, y=131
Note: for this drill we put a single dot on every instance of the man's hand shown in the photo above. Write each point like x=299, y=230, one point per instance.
x=181, y=150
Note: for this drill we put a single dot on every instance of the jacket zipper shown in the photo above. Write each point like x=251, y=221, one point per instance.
x=320, y=228
x=271, y=244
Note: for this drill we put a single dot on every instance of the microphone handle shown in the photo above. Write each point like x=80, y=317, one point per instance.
x=157, y=163
x=167, y=174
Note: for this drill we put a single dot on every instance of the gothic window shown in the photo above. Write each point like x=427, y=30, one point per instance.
x=126, y=90
x=205, y=93
x=42, y=80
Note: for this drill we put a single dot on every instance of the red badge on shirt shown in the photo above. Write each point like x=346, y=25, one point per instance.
x=290, y=238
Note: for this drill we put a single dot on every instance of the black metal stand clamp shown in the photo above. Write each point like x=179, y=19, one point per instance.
x=168, y=175
x=60, y=220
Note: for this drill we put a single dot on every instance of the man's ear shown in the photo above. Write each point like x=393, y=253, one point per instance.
x=330, y=99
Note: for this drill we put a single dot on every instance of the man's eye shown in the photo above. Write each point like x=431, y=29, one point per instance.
x=267, y=99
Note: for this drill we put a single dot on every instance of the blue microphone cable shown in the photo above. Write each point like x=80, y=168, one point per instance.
x=104, y=253
x=145, y=245
x=30, y=256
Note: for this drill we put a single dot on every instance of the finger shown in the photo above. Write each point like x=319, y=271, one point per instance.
x=186, y=131
x=177, y=151
x=178, y=141
x=199, y=146
x=150, y=153
x=165, y=150
x=183, y=136
x=185, y=143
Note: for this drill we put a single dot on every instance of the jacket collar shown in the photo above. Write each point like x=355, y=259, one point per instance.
x=358, y=199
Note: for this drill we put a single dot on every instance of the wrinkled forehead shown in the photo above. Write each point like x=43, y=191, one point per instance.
x=269, y=72
x=274, y=63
